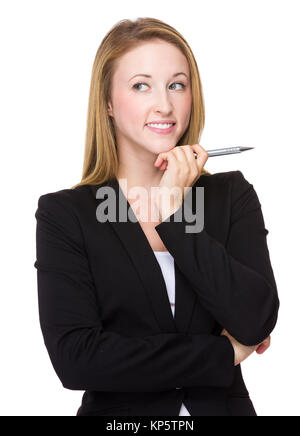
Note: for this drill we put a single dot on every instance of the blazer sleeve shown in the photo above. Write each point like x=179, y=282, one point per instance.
x=83, y=354
x=235, y=282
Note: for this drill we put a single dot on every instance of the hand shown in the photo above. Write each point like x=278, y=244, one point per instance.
x=181, y=171
x=264, y=346
x=241, y=352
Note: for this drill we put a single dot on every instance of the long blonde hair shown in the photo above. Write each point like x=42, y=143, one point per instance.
x=100, y=155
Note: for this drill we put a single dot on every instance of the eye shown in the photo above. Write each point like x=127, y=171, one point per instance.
x=140, y=83
x=183, y=86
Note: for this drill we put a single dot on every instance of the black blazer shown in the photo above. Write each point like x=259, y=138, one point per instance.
x=104, y=310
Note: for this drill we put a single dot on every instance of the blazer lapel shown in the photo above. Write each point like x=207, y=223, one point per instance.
x=139, y=250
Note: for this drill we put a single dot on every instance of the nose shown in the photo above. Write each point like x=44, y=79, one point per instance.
x=162, y=102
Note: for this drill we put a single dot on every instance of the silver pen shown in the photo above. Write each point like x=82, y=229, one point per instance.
x=221, y=151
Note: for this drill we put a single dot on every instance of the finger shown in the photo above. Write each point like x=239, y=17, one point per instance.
x=163, y=166
x=263, y=346
x=167, y=157
x=194, y=168
x=158, y=161
x=162, y=157
x=187, y=159
x=266, y=342
x=180, y=154
x=189, y=151
x=261, y=349
x=202, y=154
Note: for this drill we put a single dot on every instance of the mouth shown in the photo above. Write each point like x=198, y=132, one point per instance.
x=162, y=129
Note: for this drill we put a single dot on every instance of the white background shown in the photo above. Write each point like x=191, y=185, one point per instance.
x=248, y=57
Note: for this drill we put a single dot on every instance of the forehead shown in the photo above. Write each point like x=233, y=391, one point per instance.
x=155, y=58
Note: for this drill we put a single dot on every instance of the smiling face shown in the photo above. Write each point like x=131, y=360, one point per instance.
x=136, y=101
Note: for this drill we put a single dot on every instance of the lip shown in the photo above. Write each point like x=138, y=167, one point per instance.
x=162, y=122
x=162, y=131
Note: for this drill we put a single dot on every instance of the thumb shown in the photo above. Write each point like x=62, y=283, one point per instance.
x=262, y=348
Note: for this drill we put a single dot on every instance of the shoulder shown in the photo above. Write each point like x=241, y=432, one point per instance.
x=234, y=185
x=61, y=211
x=71, y=200
x=234, y=181
x=228, y=177
x=58, y=215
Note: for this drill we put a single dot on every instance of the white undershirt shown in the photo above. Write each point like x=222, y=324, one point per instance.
x=166, y=262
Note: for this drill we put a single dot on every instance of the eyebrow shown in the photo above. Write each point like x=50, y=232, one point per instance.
x=147, y=75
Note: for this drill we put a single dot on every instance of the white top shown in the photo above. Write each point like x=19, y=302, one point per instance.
x=166, y=262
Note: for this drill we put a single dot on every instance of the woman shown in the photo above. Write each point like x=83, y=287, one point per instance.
x=107, y=288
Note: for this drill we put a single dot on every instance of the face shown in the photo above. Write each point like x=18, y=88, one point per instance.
x=136, y=101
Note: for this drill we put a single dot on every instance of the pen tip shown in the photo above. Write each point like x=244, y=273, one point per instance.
x=246, y=148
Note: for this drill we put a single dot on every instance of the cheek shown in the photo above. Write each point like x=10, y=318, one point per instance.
x=185, y=108
x=129, y=109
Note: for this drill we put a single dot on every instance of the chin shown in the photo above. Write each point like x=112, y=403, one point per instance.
x=161, y=149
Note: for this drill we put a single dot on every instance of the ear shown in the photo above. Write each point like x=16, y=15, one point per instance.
x=109, y=109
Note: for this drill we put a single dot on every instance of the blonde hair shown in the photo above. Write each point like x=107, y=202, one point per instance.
x=100, y=155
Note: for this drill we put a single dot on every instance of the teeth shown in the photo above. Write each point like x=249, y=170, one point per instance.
x=161, y=126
